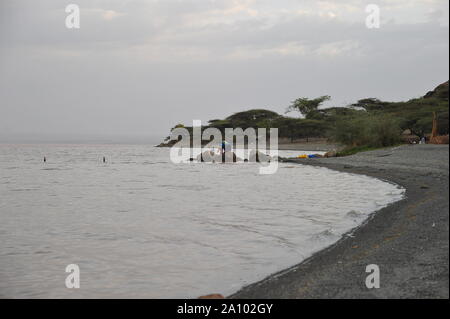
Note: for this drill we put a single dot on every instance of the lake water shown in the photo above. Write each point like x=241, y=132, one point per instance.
x=140, y=226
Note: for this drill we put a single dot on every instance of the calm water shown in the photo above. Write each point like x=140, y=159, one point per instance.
x=140, y=226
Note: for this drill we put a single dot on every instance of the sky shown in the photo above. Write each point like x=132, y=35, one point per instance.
x=134, y=69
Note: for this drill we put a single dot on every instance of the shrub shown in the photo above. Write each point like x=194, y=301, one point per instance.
x=366, y=131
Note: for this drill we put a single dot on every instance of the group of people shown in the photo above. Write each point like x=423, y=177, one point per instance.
x=423, y=140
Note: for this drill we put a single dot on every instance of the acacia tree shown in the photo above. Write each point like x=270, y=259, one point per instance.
x=305, y=106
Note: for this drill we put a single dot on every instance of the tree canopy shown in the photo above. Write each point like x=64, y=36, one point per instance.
x=369, y=121
x=305, y=105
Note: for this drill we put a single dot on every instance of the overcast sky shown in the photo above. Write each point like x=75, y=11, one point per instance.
x=137, y=68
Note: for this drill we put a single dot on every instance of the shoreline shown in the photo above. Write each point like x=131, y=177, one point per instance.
x=296, y=146
x=311, y=146
x=408, y=240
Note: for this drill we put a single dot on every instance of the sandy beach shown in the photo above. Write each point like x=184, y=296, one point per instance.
x=408, y=240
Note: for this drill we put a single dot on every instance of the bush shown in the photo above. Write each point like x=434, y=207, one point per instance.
x=367, y=131
x=385, y=132
x=350, y=132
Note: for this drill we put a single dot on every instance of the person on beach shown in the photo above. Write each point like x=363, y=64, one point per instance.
x=223, y=147
x=226, y=147
x=423, y=140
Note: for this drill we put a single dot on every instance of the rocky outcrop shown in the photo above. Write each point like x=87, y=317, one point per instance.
x=167, y=144
x=230, y=157
x=440, y=92
x=213, y=157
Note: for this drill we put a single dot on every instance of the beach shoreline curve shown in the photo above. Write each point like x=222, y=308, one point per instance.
x=408, y=239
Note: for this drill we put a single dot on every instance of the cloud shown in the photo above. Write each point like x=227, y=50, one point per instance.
x=166, y=61
x=218, y=27
x=104, y=13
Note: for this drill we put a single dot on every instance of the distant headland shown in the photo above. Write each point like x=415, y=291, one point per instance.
x=367, y=124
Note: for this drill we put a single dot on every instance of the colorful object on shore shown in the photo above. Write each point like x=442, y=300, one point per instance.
x=309, y=156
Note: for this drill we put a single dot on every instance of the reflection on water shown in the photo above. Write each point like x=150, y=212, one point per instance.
x=140, y=226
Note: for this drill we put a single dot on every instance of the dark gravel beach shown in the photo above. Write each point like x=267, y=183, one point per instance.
x=408, y=240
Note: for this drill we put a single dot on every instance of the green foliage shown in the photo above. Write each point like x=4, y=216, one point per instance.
x=441, y=92
x=294, y=128
x=370, y=104
x=220, y=124
x=251, y=118
x=367, y=124
x=368, y=130
x=288, y=127
x=305, y=106
x=177, y=126
x=417, y=114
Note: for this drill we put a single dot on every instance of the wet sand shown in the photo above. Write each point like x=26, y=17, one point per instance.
x=409, y=240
